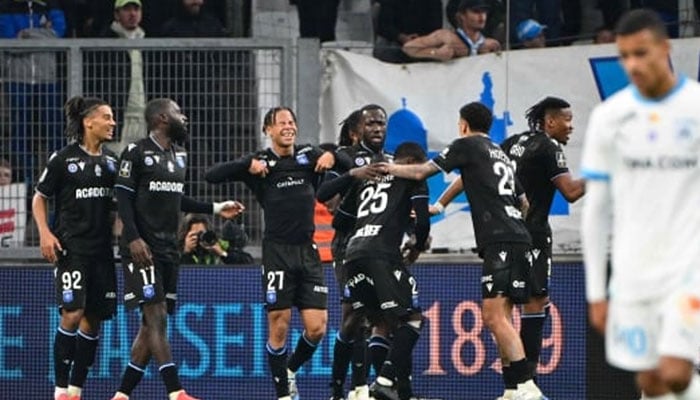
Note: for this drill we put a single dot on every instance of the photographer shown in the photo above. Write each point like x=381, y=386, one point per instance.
x=200, y=244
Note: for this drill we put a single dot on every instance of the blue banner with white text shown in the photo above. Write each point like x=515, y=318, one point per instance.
x=218, y=335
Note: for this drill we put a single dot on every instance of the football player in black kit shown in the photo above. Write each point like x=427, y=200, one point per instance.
x=541, y=168
x=284, y=178
x=501, y=236
x=379, y=285
x=371, y=126
x=80, y=177
x=150, y=196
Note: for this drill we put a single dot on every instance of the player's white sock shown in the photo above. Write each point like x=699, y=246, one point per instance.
x=692, y=392
x=59, y=391
x=75, y=391
x=173, y=395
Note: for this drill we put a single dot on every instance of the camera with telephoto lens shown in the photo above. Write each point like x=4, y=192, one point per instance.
x=207, y=238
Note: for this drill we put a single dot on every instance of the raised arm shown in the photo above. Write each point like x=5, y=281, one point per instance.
x=417, y=172
x=434, y=46
x=237, y=170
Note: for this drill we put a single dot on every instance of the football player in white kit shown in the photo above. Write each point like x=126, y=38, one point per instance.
x=640, y=160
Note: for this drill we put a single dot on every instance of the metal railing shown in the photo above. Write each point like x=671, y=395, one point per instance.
x=223, y=85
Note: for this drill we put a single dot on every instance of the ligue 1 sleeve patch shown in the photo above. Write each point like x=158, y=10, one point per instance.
x=125, y=169
x=561, y=159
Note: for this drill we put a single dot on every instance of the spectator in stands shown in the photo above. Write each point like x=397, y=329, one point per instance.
x=34, y=94
x=203, y=246
x=604, y=35
x=400, y=21
x=192, y=21
x=119, y=75
x=5, y=172
x=317, y=18
x=612, y=10
x=531, y=34
x=548, y=12
x=468, y=17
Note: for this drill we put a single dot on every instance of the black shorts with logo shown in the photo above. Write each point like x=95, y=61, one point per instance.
x=506, y=271
x=541, y=271
x=152, y=284
x=379, y=285
x=88, y=283
x=292, y=275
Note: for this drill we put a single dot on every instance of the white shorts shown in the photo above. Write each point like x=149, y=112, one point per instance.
x=639, y=333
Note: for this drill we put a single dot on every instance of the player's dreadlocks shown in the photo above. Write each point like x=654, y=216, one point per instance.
x=350, y=123
x=535, y=114
x=77, y=109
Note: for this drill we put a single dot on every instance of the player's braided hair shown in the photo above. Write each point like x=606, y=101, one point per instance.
x=535, y=114
x=76, y=110
x=271, y=115
x=349, y=124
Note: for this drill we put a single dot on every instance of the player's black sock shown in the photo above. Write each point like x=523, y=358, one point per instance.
x=508, y=380
x=85, y=348
x=277, y=360
x=404, y=383
x=342, y=353
x=63, y=352
x=168, y=372
x=132, y=376
x=531, y=326
x=303, y=352
x=520, y=370
x=359, y=360
x=378, y=349
x=399, y=358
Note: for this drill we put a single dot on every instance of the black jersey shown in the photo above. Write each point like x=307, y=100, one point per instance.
x=383, y=216
x=156, y=176
x=83, y=188
x=489, y=182
x=538, y=160
x=347, y=158
x=286, y=193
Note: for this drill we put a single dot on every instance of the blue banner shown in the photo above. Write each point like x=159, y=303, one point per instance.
x=218, y=335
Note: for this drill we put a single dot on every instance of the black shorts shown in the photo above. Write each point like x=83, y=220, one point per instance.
x=378, y=285
x=541, y=271
x=88, y=283
x=153, y=284
x=506, y=271
x=292, y=275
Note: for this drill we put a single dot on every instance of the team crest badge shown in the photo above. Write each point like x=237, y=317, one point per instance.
x=149, y=292
x=72, y=168
x=359, y=161
x=67, y=296
x=302, y=159
x=110, y=166
x=271, y=297
x=171, y=166
x=148, y=161
x=98, y=170
x=180, y=161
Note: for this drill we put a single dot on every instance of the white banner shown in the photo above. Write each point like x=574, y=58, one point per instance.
x=13, y=214
x=509, y=83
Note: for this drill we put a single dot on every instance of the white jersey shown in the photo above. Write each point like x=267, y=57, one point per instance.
x=649, y=151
